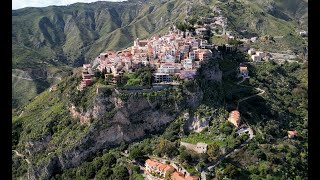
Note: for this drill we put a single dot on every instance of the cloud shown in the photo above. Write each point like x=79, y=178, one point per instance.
x=17, y=4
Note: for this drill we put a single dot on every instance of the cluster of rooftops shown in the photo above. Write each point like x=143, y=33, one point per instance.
x=168, y=55
x=161, y=170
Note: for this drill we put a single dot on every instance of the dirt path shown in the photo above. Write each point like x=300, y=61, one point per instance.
x=21, y=155
x=30, y=79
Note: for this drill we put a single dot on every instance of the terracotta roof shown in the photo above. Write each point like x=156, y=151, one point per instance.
x=162, y=167
x=192, y=178
x=235, y=114
x=151, y=163
x=242, y=68
x=168, y=167
x=177, y=176
x=234, y=118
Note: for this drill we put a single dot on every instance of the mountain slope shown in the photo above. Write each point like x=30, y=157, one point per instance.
x=75, y=34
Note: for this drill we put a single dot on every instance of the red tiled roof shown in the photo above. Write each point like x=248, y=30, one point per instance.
x=177, y=176
x=234, y=117
x=192, y=178
x=152, y=163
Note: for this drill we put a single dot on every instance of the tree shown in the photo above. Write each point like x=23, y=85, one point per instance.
x=123, y=146
x=184, y=157
x=97, y=74
x=109, y=160
x=135, y=153
x=231, y=171
x=260, y=154
x=120, y=173
x=104, y=71
x=104, y=173
x=167, y=148
x=193, y=21
x=213, y=152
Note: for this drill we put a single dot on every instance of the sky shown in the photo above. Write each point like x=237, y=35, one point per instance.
x=17, y=4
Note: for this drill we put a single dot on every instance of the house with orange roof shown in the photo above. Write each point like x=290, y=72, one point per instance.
x=177, y=176
x=160, y=169
x=192, y=178
x=151, y=166
x=180, y=176
x=234, y=118
x=243, y=71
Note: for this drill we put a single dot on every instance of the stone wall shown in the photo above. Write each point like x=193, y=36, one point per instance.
x=199, y=147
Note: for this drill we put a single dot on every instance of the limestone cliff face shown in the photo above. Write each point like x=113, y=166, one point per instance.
x=195, y=123
x=113, y=120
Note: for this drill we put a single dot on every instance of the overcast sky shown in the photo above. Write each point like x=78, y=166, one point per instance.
x=17, y=4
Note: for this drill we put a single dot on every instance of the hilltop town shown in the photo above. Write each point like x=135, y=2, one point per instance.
x=172, y=58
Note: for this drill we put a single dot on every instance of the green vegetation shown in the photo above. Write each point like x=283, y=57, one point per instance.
x=141, y=77
x=184, y=27
x=219, y=40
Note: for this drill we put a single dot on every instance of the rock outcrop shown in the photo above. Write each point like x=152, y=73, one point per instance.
x=116, y=120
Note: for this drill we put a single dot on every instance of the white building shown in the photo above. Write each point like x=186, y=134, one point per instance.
x=260, y=53
x=188, y=64
x=200, y=30
x=168, y=68
x=303, y=33
x=253, y=39
x=162, y=77
x=251, y=51
x=256, y=58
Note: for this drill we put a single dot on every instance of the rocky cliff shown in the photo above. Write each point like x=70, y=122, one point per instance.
x=114, y=119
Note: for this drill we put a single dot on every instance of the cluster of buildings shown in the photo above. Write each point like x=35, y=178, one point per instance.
x=158, y=169
x=256, y=56
x=234, y=118
x=162, y=171
x=169, y=55
x=87, y=76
